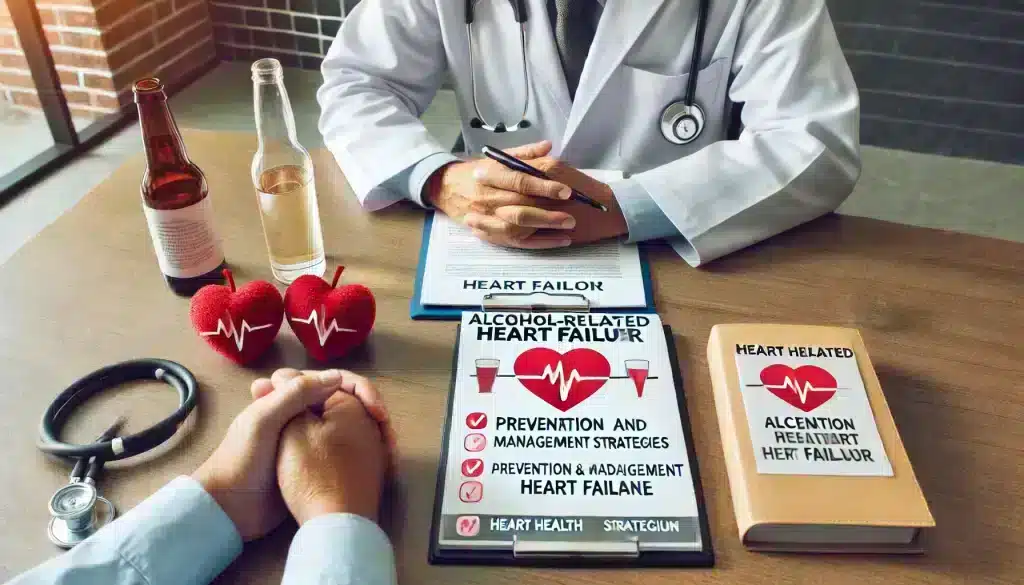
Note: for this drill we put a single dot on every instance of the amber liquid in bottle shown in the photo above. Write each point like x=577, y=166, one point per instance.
x=175, y=199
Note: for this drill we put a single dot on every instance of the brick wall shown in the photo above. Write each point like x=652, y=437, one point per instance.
x=296, y=32
x=100, y=47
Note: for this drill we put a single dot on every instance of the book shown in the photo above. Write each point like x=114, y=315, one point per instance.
x=567, y=443
x=814, y=459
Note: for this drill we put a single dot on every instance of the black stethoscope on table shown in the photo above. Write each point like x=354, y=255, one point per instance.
x=681, y=122
x=77, y=510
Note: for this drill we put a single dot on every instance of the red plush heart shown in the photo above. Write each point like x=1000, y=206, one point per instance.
x=240, y=324
x=329, y=320
x=806, y=387
x=562, y=380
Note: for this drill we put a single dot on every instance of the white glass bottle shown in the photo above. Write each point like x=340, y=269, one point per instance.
x=283, y=175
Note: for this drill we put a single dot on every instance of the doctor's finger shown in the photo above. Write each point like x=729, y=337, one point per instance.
x=296, y=395
x=516, y=182
x=533, y=217
x=533, y=150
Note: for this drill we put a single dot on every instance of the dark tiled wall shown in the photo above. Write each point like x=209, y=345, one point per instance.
x=297, y=32
x=938, y=76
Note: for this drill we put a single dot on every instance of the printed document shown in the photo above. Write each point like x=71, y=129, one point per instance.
x=460, y=269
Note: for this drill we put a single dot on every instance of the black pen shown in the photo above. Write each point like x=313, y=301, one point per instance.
x=517, y=165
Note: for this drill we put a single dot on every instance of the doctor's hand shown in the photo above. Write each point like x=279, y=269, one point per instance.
x=240, y=474
x=335, y=462
x=503, y=206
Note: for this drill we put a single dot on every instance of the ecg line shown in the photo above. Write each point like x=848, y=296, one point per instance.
x=801, y=393
x=230, y=332
x=557, y=374
x=323, y=331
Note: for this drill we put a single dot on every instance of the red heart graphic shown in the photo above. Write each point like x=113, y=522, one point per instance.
x=806, y=387
x=239, y=324
x=329, y=321
x=554, y=377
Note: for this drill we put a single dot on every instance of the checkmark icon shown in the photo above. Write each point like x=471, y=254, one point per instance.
x=472, y=467
x=471, y=492
x=476, y=421
x=475, y=442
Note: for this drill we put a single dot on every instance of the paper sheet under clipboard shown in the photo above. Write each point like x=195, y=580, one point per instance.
x=460, y=268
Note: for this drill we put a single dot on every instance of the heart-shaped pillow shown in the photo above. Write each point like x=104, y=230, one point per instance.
x=329, y=320
x=239, y=324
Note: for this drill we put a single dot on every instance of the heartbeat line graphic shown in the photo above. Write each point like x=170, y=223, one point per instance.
x=556, y=374
x=323, y=330
x=801, y=393
x=231, y=332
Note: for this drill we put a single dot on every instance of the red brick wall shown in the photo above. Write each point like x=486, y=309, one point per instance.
x=101, y=46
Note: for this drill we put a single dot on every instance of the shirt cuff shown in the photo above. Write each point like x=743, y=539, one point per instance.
x=419, y=173
x=342, y=549
x=644, y=219
x=178, y=535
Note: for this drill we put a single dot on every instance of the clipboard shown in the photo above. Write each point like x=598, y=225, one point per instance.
x=419, y=311
x=628, y=552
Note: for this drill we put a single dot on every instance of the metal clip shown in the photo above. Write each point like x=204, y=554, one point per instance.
x=555, y=303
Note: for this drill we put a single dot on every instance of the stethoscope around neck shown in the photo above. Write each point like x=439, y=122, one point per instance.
x=681, y=122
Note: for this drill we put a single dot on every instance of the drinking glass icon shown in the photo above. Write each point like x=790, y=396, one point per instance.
x=637, y=371
x=486, y=372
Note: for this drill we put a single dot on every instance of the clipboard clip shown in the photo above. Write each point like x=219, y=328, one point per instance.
x=555, y=303
x=522, y=548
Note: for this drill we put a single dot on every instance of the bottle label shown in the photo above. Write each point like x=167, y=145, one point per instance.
x=184, y=239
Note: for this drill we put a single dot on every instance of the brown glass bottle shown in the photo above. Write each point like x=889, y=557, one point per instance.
x=175, y=198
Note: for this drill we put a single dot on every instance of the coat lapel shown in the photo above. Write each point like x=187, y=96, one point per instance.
x=545, y=68
x=622, y=23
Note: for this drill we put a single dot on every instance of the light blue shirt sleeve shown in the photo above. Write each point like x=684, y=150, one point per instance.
x=410, y=182
x=644, y=219
x=340, y=549
x=177, y=536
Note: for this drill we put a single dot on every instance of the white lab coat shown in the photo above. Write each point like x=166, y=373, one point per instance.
x=797, y=158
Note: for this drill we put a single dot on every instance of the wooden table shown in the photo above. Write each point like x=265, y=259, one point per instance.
x=942, y=315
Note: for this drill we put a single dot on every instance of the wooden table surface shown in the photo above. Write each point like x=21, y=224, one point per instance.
x=942, y=315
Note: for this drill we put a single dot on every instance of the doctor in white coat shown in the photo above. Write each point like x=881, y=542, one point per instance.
x=599, y=77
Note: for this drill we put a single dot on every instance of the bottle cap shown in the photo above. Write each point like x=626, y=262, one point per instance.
x=147, y=84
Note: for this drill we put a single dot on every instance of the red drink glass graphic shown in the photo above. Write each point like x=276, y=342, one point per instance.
x=637, y=371
x=486, y=372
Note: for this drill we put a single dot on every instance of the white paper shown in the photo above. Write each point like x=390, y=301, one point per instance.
x=504, y=480
x=808, y=412
x=460, y=269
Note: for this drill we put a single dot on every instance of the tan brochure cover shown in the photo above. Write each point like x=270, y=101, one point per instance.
x=786, y=499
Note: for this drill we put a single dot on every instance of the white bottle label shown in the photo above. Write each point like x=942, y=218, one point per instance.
x=184, y=239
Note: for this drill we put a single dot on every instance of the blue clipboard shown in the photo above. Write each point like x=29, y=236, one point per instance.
x=419, y=311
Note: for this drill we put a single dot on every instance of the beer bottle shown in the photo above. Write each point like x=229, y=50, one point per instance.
x=175, y=198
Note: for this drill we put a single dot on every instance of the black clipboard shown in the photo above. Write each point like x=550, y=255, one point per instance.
x=705, y=557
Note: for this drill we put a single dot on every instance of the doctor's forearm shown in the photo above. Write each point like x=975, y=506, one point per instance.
x=644, y=219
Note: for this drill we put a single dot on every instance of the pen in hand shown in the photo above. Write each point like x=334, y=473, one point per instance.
x=515, y=164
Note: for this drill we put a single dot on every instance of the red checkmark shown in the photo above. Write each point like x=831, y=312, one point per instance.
x=472, y=467
x=475, y=442
x=477, y=420
x=471, y=492
x=467, y=525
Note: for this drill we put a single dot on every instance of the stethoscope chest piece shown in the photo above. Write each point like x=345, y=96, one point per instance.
x=682, y=124
x=77, y=511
